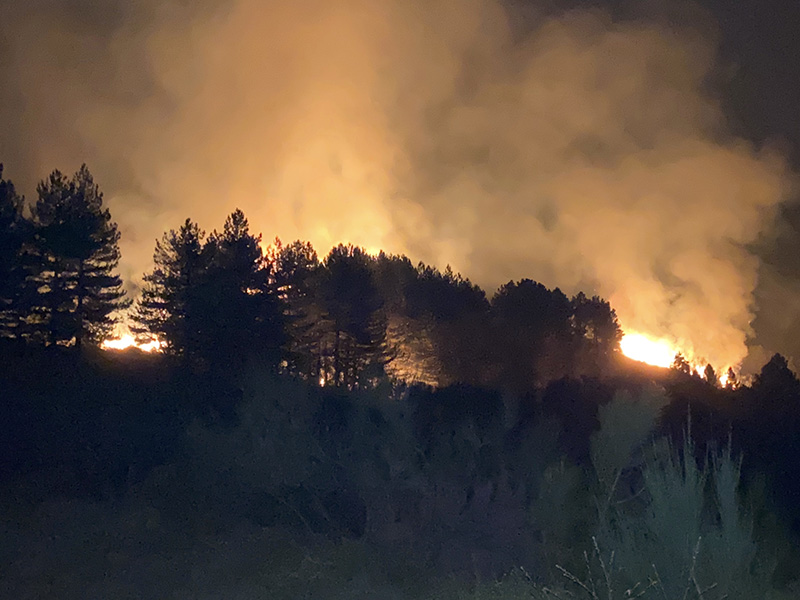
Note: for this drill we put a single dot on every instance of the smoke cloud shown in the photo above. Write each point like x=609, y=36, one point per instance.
x=582, y=151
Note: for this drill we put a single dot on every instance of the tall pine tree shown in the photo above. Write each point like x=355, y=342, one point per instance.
x=596, y=332
x=76, y=248
x=168, y=308
x=242, y=314
x=294, y=270
x=211, y=301
x=358, y=349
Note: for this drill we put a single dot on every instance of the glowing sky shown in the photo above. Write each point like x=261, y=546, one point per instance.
x=581, y=150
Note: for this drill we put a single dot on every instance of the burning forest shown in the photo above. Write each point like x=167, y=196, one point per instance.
x=529, y=329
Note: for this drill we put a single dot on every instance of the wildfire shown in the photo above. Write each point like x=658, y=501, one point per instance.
x=126, y=341
x=659, y=353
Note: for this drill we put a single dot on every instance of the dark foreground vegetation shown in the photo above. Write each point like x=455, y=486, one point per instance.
x=360, y=426
x=119, y=481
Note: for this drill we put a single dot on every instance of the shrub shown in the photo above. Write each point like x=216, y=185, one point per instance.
x=683, y=532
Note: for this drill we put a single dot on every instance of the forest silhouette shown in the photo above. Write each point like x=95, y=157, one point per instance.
x=358, y=406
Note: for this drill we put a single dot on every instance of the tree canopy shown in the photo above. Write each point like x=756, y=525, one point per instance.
x=58, y=272
x=211, y=300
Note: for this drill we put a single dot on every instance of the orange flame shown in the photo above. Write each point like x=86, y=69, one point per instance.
x=656, y=352
x=661, y=352
x=126, y=341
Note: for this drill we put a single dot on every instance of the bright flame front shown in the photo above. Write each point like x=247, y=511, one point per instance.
x=128, y=341
x=659, y=353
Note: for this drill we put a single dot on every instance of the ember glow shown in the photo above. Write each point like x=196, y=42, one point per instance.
x=126, y=341
x=639, y=347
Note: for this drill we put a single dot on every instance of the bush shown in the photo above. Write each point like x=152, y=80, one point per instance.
x=683, y=533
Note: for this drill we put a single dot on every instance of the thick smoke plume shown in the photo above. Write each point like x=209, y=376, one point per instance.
x=566, y=147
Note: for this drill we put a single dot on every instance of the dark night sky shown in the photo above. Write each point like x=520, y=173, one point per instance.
x=760, y=54
x=422, y=127
x=760, y=40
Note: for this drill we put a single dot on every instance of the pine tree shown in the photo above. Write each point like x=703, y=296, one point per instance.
x=532, y=325
x=168, y=308
x=294, y=270
x=76, y=250
x=414, y=358
x=210, y=301
x=351, y=299
x=777, y=384
x=451, y=314
x=710, y=375
x=241, y=309
x=597, y=333
x=14, y=230
x=681, y=365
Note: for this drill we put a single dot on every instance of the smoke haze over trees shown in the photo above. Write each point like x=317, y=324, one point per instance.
x=589, y=148
x=216, y=302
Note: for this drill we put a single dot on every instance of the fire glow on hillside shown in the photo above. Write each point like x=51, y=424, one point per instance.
x=636, y=346
x=659, y=353
x=126, y=341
